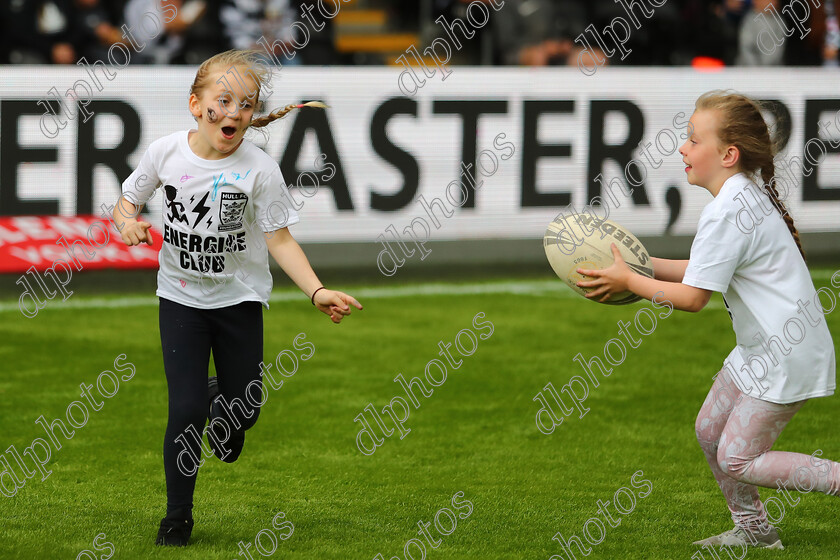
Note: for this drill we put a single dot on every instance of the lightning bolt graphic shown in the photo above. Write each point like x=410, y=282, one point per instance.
x=209, y=221
x=192, y=198
x=201, y=209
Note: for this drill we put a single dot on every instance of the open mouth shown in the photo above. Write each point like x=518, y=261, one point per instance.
x=228, y=131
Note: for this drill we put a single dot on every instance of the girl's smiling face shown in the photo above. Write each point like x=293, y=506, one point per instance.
x=223, y=114
x=708, y=163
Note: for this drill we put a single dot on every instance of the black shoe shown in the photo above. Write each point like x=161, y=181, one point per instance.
x=175, y=529
x=214, y=434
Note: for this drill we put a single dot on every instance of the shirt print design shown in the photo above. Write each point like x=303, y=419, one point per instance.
x=199, y=250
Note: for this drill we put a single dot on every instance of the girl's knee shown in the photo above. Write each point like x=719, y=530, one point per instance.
x=242, y=414
x=732, y=465
x=707, y=436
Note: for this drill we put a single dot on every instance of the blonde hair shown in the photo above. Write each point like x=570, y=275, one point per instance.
x=255, y=68
x=743, y=126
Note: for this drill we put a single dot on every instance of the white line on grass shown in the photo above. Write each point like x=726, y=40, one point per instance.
x=554, y=288
x=551, y=288
x=523, y=288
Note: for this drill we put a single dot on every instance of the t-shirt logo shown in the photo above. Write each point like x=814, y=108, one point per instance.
x=232, y=211
x=176, y=209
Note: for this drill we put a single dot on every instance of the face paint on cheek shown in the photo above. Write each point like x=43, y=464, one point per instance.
x=211, y=115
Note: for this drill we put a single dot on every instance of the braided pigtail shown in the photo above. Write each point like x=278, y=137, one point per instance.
x=768, y=176
x=280, y=113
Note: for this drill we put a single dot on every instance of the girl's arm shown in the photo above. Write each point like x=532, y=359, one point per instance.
x=620, y=278
x=132, y=231
x=668, y=269
x=294, y=263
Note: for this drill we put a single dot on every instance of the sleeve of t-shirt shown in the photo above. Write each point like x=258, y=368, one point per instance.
x=718, y=248
x=140, y=186
x=272, y=204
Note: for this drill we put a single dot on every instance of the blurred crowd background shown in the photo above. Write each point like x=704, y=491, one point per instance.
x=377, y=32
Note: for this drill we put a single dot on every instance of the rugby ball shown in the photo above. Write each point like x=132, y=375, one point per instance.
x=583, y=240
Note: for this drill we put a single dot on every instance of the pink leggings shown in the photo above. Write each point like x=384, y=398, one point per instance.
x=736, y=433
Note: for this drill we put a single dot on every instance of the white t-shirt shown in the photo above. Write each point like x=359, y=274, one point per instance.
x=744, y=250
x=213, y=253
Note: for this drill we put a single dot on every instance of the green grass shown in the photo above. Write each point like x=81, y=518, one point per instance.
x=476, y=434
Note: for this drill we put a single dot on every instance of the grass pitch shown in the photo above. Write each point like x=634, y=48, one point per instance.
x=475, y=434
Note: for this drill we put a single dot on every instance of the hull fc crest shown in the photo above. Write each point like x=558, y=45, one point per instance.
x=232, y=210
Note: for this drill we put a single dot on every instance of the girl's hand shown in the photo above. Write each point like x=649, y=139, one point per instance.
x=335, y=304
x=611, y=280
x=135, y=233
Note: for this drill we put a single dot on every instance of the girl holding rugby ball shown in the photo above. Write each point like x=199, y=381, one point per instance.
x=759, y=267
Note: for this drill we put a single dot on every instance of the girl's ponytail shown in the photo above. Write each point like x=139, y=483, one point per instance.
x=768, y=176
x=280, y=113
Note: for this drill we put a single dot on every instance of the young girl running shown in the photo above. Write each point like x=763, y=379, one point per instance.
x=225, y=200
x=784, y=353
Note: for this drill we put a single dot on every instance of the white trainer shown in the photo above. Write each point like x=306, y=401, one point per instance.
x=738, y=536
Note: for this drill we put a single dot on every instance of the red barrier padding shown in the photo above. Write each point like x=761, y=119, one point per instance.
x=88, y=242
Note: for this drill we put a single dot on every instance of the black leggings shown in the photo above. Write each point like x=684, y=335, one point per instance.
x=187, y=335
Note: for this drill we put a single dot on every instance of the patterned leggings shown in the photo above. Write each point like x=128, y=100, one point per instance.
x=736, y=433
